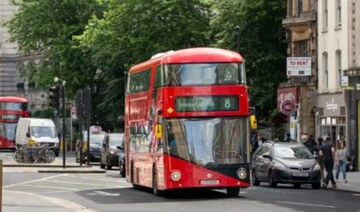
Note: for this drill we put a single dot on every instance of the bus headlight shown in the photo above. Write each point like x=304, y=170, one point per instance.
x=242, y=173
x=175, y=176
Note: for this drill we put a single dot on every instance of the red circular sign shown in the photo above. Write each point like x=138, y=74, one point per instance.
x=287, y=107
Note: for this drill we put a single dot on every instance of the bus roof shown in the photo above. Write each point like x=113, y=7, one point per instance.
x=193, y=55
x=13, y=99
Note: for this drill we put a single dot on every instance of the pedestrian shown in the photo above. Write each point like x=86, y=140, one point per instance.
x=340, y=158
x=311, y=144
x=320, y=160
x=288, y=138
x=327, y=151
x=303, y=138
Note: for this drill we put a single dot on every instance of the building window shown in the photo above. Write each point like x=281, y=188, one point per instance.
x=338, y=69
x=301, y=48
x=338, y=13
x=325, y=71
x=325, y=15
x=299, y=8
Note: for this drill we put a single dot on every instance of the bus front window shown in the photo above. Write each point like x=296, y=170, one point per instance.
x=207, y=142
x=204, y=74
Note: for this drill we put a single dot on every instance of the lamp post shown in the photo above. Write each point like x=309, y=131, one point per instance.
x=61, y=84
x=237, y=28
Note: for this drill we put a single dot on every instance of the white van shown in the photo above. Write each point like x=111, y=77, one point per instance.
x=42, y=131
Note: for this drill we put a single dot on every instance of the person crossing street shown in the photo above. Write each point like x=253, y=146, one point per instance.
x=327, y=152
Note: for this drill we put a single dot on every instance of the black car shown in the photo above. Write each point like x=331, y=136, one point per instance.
x=109, y=151
x=285, y=163
x=96, y=140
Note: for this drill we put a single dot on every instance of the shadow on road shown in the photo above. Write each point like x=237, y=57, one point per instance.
x=144, y=195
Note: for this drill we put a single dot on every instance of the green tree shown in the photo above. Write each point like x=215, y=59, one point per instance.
x=46, y=27
x=261, y=42
x=134, y=30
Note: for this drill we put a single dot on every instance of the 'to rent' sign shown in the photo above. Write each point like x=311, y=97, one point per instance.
x=298, y=66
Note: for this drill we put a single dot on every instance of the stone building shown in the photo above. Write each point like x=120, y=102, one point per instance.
x=300, y=24
x=12, y=63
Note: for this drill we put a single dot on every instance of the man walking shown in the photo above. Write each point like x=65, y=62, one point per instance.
x=327, y=152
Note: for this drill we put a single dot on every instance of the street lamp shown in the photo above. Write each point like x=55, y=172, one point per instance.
x=61, y=84
x=237, y=28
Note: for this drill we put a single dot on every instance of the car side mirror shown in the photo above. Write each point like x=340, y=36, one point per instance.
x=267, y=156
x=120, y=147
x=28, y=135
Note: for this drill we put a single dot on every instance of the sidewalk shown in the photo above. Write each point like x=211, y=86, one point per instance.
x=36, y=203
x=353, y=184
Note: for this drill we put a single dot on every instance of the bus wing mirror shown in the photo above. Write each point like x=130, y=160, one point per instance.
x=253, y=122
x=158, y=130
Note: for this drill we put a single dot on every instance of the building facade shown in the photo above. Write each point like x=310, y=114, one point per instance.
x=300, y=24
x=12, y=63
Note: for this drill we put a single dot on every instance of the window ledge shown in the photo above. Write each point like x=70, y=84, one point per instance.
x=324, y=30
x=338, y=28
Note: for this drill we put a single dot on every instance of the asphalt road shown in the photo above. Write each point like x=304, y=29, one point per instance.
x=109, y=192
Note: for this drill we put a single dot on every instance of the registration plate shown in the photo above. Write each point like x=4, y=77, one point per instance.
x=209, y=182
x=301, y=174
x=97, y=156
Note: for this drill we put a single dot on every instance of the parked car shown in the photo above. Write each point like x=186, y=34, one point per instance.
x=285, y=163
x=96, y=140
x=109, y=152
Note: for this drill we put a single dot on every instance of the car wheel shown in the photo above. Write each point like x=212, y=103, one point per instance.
x=108, y=164
x=102, y=166
x=272, y=182
x=255, y=181
x=122, y=169
x=316, y=185
x=232, y=191
x=297, y=185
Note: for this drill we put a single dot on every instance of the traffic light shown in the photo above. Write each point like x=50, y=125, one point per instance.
x=54, y=97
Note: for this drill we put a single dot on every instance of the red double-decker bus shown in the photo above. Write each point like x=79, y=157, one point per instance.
x=187, y=121
x=11, y=109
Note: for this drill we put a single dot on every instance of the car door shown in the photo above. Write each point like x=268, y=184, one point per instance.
x=256, y=161
x=264, y=163
x=103, y=150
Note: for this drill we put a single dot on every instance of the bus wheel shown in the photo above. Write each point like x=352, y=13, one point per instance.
x=156, y=192
x=233, y=191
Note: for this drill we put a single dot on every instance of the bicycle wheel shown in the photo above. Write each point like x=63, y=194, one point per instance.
x=50, y=156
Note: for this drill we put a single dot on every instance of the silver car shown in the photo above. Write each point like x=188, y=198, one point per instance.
x=285, y=163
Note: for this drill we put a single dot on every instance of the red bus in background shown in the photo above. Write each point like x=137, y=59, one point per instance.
x=187, y=121
x=11, y=109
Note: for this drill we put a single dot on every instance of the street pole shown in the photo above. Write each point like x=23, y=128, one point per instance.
x=64, y=124
x=1, y=183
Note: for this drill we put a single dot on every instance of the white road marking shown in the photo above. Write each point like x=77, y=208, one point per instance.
x=31, y=181
x=306, y=204
x=52, y=187
x=60, y=202
x=80, y=183
x=103, y=193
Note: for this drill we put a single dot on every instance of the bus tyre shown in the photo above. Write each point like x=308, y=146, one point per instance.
x=122, y=169
x=156, y=192
x=233, y=191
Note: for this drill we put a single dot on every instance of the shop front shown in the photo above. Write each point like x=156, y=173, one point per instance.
x=331, y=118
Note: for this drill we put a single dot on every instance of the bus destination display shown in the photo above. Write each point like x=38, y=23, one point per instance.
x=206, y=103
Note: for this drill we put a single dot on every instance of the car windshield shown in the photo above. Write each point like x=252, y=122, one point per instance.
x=115, y=139
x=292, y=152
x=43, y=131
x=95, y=139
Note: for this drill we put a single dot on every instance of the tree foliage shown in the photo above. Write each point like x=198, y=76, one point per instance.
x=261, y=43
x=78, y=37
x=46, y=27
x=134, y=30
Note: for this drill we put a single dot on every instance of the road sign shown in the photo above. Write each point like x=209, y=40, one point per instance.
x=298, y=66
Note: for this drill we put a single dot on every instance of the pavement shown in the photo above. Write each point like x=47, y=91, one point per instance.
x=32, y=202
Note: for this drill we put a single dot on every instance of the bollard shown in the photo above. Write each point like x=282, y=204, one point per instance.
x=1, y=183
